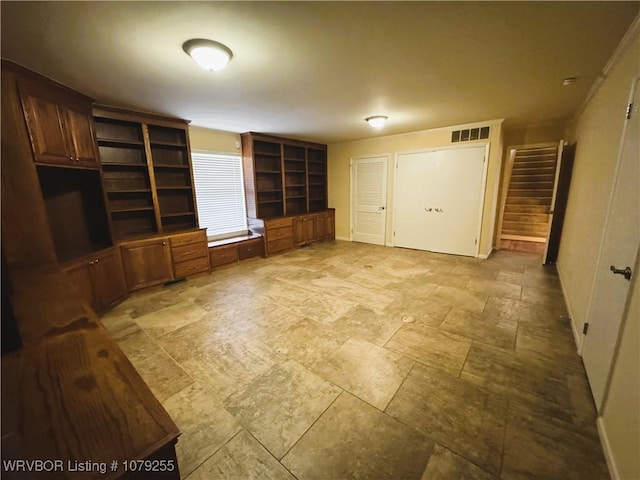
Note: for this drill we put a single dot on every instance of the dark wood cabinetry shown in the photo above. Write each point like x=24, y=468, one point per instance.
x=50, y=170
x=283, y=177
x=59, y=123
x=76, y=213
x=305, y=229
x=146, y=165
x=189, y=253
x=146, y=262
x=68, y=391
x=98, y=278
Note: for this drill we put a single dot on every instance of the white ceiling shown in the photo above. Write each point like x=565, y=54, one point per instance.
x=315, y=70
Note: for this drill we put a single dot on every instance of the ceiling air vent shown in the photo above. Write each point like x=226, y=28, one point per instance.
x=470, y=134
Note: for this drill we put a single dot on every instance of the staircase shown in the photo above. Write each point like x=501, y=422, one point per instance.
x=528, y=202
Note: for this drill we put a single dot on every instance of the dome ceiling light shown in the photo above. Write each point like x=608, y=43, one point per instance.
x=377, y=121
x=208, y=54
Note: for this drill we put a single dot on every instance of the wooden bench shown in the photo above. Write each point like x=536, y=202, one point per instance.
x=232, y=250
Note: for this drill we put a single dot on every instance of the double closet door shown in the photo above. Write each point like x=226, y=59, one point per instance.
x=439, y=198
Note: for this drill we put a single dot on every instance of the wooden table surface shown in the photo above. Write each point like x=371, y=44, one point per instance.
x=70, y=393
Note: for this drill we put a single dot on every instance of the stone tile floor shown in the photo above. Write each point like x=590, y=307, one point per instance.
x=346, y=360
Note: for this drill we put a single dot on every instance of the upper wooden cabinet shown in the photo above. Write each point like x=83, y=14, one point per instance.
x=146, y=165
x=282, y=176
x=60, y=124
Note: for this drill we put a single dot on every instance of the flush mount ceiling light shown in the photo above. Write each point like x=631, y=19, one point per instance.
x=569, y=81
x=208, y=54
x=376, y=121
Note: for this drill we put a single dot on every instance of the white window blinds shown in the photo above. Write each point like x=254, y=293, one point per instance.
x=219, y=194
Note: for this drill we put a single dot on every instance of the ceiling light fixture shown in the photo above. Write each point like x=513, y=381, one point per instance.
x=377, y=121
x=208, y=54
x=569, y=81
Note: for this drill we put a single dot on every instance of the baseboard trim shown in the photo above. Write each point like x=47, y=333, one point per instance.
x=346, y=239
x=606, y=447
x=485, y=256
x=577, y=333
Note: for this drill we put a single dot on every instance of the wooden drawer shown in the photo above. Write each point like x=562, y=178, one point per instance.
x=223, y=255
x=187, y=238
x=189, y=252
x=274, y=246
x=279, y=222
x=191, y=267
x=251, y=248
x=277, y=233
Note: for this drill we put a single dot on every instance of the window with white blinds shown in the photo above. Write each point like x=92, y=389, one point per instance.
x=219, y=194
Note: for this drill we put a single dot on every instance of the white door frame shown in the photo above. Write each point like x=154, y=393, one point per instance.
x=483, y=187
x=386, y=192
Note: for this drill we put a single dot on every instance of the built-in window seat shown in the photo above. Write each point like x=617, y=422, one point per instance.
x=232, y=250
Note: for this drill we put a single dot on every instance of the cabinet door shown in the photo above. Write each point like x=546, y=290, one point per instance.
x=46, y=127
x=80, y=276
x=107, y=279
x=299, y=231
x=322, y=226
x=310, y=228
x=330, y=224
x=146, y=263
x=79, y=123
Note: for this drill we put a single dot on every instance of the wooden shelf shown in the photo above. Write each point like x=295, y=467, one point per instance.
x=167, y=144
x=177, y=167
x=139, y=190
x=130, y=210
x=147, y=174
x=120, y=143
x=275, y=164
x=124, y=164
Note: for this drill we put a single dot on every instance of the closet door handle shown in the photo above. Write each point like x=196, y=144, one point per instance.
x=622, y=271
x=427, y=209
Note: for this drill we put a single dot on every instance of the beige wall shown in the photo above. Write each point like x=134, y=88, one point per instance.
x=340, y=154
x=539, y=133
x=213, y=140
x=598, y=132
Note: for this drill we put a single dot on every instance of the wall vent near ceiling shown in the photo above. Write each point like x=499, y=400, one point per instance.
x=470, y=134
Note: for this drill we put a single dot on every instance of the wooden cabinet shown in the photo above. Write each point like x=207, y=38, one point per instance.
x=306, y=229
x=190, y=253
x=251, y=248
x=278, y=234
x=98, y=278
x=225, y=253
x=282, y=234
x=60, y=124
x=47, y=134
x=146, y=165
x=283, y=177
x=326, y=225
x=146, y=262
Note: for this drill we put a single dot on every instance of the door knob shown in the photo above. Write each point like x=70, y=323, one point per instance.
x=439, y=210
x=380, y=208
x=427, y=209
x=619, y=271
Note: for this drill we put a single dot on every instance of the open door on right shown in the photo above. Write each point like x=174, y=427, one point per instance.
x=559, y=203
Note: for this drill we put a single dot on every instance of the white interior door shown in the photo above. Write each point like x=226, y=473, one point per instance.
x=369, y=199
x=619, y=248
x=439, y=199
